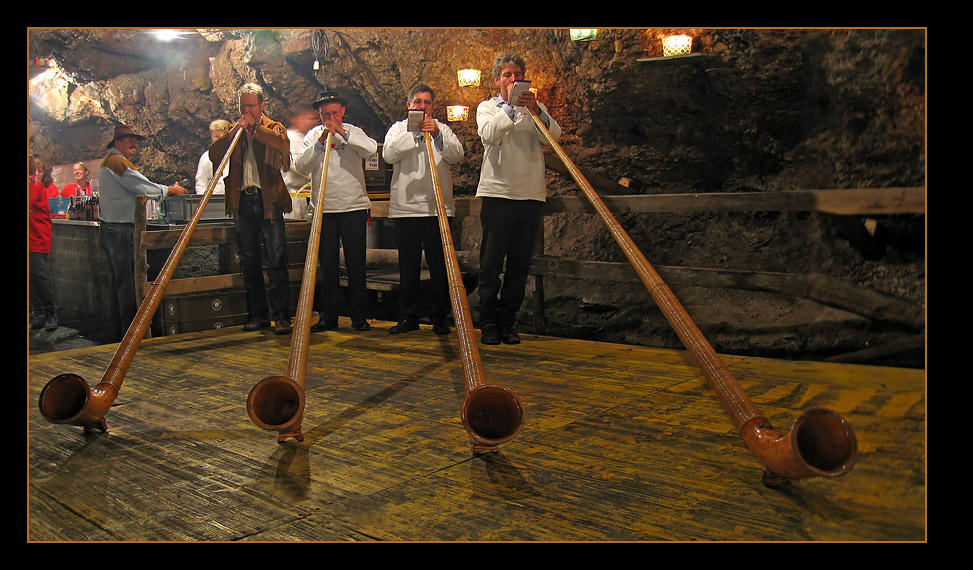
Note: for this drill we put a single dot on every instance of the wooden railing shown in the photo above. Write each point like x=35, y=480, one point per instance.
x=860, y=300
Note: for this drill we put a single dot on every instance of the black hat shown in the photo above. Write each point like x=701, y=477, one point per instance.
x=122, y=131
x=329, y=97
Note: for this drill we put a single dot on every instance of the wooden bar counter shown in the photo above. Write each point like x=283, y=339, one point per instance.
x=621, y=443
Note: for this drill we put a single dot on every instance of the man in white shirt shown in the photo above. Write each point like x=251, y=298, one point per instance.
x=204, y=170
x=512, y=190
x=412, y=208
x=345, y=208
x=302, y=122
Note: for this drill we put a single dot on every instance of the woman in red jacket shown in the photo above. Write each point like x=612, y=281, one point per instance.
x=81, y=185
x=43, y=174
x=39, y=232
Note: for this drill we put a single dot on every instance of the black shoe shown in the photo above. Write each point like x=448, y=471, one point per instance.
x=282, y=325
x=255, y=324
x=321, y=326
x=440, y=327
x=361, y=326
x=51, y=323
x=404, y=326
x=490, y=335
x=509, y=336
x=37, y=321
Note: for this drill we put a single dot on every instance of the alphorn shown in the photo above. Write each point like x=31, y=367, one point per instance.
x=492, y=414
x=67, y=398
x=820, y=443
x=277, y=402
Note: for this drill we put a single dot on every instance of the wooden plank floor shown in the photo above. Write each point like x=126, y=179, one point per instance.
x=621, y=443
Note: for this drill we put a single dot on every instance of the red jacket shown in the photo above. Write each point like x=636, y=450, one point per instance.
x=39, y=225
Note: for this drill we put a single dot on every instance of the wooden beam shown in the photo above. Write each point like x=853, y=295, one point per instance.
x=872, y=353
x=856, y=299
x=869, y=201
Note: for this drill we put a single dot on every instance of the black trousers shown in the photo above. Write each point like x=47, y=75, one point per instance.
x=252, y=228
x=343, y=230
x=118, y=243
x=412, y=237
x=509, y=230
x=41, y=294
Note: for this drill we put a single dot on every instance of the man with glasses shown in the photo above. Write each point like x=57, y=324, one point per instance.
x=412, y=207
x=258, y=199
x=345, y=208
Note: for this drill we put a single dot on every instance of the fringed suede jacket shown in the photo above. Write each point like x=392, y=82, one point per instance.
x=271, y=148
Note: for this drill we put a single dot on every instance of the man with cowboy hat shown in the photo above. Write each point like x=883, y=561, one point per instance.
x=119, y=184
x=345, y=207
x=257, y=198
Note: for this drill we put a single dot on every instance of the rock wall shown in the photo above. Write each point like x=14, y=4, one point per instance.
x=763, y=110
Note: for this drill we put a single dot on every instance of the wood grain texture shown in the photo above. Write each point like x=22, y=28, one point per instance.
x=621, y=443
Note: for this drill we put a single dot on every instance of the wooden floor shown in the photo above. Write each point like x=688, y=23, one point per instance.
x=621, y=443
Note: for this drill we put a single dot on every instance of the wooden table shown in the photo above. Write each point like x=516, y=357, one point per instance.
x=621, y=443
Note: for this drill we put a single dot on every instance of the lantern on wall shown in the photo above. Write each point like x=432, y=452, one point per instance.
x=457, y=113
x=677, y=45
x=584, y=34
x=468, y=77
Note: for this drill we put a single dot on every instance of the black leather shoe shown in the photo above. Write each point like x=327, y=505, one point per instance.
x=282, y=326
x=404, y=326
x=440, y=327
x=509, y=336
x=361, y=326
x=321, y=326
x=489, y=335
x=255, y=324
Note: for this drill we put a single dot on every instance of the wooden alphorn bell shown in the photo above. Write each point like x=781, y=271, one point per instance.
x=820, y=443
x=492, y=414
x=67, y=398
x=277, y=402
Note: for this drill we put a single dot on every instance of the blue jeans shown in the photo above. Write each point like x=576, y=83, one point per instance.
x=252, y=228
x=118, y=243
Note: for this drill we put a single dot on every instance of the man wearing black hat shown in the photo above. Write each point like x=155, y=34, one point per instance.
x=119, y=185
x=257, y=198
x=345, y=208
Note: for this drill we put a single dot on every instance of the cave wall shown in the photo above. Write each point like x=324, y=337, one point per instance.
x=769, y=110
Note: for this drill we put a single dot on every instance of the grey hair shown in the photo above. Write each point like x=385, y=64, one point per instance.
x=506, y=59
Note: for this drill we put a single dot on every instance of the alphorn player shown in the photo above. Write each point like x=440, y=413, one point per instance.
x=119, y=185
x=512, y=191
x=412, y=207
x=345, y=205
x=257, y=198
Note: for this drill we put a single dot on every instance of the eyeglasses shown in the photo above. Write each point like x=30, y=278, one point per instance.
x=425, y=101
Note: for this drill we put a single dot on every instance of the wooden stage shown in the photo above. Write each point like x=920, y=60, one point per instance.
x=621, y=443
